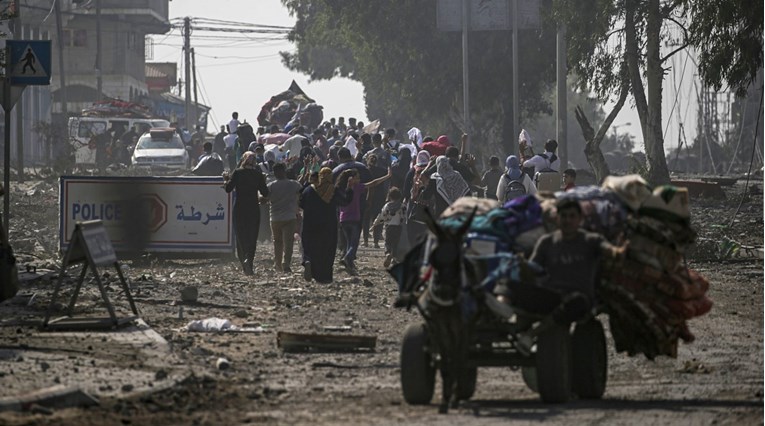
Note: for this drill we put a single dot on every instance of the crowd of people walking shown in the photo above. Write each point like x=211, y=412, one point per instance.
x=337, y=187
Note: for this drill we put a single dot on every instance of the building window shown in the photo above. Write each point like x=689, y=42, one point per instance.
x=75, y=38
x=131, y=41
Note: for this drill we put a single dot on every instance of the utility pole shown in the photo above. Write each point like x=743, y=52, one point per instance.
x=465, y=79
x=61, y=70
x=7, y=107
x=18, y=33
x=187, y=65
x=99, y=71
x=516, y=95
x=561, y=116
x=196, y=100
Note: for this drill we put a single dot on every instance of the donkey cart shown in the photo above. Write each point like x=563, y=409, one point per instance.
x=559, y=361
x=487, y=310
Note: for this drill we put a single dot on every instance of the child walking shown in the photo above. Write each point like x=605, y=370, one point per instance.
x=392, y=218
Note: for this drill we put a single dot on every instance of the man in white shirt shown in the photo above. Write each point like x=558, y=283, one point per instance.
x=548, y=160
x=233, y=125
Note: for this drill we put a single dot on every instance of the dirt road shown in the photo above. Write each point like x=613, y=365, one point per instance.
x=718, y=379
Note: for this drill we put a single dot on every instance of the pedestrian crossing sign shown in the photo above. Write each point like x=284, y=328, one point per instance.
x=30, y=62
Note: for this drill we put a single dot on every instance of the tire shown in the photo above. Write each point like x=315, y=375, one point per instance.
x=418, y=376
x=590, y=360
x=554, y=365
x=467, y=383
x=529, y=375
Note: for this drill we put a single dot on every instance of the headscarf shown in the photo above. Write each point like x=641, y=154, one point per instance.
x=247, y=161
x=350, y=143
x=513, y=166
x=402, y=165
x=422, y=158
x=405, y=157
x=325, y=188
x=449, y=184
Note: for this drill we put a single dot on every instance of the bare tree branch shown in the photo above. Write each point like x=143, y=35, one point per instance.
x=670, y=54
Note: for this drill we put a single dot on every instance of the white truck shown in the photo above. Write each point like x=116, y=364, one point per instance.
x=83, y=129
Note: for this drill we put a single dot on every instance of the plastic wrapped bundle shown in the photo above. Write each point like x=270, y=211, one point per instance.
x=604, y=212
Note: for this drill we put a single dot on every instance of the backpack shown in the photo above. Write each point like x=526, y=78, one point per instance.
x=547, y=179
x=515, y=189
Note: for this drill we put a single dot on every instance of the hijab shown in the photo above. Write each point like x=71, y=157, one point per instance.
x=513, y=166
x=325, y=188
x=402, y=165
x=449, y=184
x=350, y=143
x=405, y=158
x=423, y=157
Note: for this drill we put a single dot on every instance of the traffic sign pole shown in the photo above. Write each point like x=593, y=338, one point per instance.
x=7, y=152
x=7, y=180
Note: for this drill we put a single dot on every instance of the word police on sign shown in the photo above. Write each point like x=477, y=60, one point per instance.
x=487, y=15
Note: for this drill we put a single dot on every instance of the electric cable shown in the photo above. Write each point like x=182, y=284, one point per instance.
x=751, y=161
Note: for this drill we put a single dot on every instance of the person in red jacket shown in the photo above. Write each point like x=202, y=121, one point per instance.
x=437, y=147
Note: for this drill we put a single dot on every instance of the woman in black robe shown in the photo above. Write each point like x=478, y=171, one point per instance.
x=319, y=202
x=248, y=180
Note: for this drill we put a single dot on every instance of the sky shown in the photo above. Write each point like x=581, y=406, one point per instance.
x=241, y=76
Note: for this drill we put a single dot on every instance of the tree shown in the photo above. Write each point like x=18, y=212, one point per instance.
x=593, y=140
x=411, y=71
x=728, y=37
x=544, y=125
x=604, y=34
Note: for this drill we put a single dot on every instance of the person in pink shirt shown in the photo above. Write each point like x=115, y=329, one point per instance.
x=350, y=215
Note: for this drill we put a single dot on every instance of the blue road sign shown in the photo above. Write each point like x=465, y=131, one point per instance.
x=29, y=62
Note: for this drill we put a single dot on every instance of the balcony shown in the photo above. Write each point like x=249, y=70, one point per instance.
x=152, y=15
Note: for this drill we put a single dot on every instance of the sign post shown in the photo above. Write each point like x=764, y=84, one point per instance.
x=92, y=247
x=488, y=15
x=28, y=65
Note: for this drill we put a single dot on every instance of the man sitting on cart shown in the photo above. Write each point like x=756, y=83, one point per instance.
x=570, y=257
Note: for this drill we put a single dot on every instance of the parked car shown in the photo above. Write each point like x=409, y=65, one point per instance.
x=83, y=129
x=161, y=149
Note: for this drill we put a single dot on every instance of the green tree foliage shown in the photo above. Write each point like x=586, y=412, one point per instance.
x=606, y=35
x=728, y=37
x=412, y=72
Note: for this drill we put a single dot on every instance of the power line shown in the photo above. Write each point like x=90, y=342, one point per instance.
x=261, y=59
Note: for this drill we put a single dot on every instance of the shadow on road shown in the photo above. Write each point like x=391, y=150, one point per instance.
x=536, y=410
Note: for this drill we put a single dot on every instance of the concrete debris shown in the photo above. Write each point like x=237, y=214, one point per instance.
x=222, y=364
x=189, y=294
x=58, y=396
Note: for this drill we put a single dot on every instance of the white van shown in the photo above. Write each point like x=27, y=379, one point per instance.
x=82, y=130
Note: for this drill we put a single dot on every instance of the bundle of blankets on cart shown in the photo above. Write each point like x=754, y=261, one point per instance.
x=651, y=293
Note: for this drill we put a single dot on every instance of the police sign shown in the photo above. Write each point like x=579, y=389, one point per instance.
x=30, y=63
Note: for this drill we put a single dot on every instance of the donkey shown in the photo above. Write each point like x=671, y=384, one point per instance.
x=440, y=305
